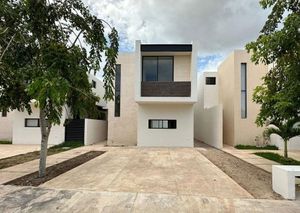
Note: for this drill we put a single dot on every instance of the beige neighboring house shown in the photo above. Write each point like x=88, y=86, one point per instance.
x=22, y=128
x=154, y=97
x=238, y=77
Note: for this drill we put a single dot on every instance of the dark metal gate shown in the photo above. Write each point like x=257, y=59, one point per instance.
x=74, y=130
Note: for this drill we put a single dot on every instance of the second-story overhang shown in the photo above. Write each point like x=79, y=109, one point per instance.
x=164, y=100
x=183, y=48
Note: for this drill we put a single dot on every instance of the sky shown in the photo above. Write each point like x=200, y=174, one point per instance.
x=218, y=26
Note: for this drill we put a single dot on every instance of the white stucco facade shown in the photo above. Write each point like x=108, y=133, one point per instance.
x=208, y=113
x=6, y=123
x=12, y=127
x=32, y=135
x=94, y=131
x=182, y=136
x=131, y=127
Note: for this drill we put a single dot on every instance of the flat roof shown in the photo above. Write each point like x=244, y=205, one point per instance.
x=166, y=47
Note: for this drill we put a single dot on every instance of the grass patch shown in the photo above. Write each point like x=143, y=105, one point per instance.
x=277, y=158
x=68, y=144
x=5, y=142
x=268, y=147
x=23, y=158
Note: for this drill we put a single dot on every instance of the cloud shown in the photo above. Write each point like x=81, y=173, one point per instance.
x=218, y=26
x=209, y=62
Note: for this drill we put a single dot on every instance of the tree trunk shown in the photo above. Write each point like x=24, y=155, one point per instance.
x=45, y=130
x=285, y=149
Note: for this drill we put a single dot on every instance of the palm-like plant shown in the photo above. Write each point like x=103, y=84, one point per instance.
x=286, y=131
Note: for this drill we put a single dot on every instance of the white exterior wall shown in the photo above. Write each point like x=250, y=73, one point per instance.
x=94, y=131
x=293, y=143
x=32, y=135
x=182, y=136
x=210, y=92
x=6, y=127
x=208, y=115
x=99, y=90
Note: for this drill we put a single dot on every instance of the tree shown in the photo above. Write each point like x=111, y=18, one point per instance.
x=47, y=49
x=286, y=131
x=278, y=46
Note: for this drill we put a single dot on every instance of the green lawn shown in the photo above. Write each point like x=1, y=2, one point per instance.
x=277, y=158
x=268, y=147
x=5, y=142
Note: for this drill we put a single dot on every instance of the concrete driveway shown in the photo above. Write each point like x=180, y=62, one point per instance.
x=174, y=171
x=8, y=150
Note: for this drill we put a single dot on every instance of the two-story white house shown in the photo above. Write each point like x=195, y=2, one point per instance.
x=155, y=93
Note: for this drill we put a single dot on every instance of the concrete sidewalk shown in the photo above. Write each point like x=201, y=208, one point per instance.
x=248, y=156
x=20, y=170
x=8, y=150
x=29, y=199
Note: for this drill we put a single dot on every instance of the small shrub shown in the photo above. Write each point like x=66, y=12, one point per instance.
x=267, y=147
x=5, y=142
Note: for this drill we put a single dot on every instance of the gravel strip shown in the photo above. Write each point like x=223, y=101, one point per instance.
x=255, y=180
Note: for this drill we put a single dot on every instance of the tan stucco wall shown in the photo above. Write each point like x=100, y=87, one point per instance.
x=182, y=67
x=246, y=129
x=182, y=136
x=226, y=91
x=235, y=129
x=123, y=130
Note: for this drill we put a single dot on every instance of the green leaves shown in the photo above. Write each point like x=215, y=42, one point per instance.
x=55, y=45
x=279, y=47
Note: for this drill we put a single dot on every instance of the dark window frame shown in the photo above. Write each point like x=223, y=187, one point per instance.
x=94, y=84
x=210, y=80
x=118, y=92
x=244, y=91
x=4, y=113
x=27, y=119
x=169, y=121
x=157, y=58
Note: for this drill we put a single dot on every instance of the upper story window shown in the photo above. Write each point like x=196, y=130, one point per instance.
x=243, y=90
x=210, y=80
x=94, y=84
x=118, y=91
x=158, y=68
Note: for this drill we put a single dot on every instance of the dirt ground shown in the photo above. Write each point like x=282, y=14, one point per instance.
x=55, y=170
x=255, y=180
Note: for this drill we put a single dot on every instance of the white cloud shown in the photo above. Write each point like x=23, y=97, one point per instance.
x=218, y=26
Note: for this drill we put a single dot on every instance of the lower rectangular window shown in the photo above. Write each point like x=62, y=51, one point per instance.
x=162, y=124
x=32, y=122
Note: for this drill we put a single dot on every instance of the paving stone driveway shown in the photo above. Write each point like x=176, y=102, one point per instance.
x=27, y=199
x=140, y=180
x=177, y=171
